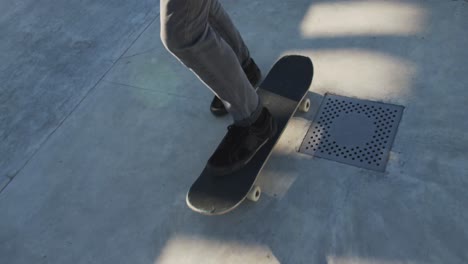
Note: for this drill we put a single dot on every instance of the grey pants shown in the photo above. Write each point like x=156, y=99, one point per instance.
x=202, y=36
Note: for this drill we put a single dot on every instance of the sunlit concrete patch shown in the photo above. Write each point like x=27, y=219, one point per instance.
x=355, y=18
x=183, y=249
x=361, y=73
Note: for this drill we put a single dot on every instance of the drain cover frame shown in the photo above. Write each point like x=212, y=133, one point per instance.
x=353, y=131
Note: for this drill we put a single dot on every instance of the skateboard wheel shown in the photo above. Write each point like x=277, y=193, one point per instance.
x=305, y=105
x=254, y=193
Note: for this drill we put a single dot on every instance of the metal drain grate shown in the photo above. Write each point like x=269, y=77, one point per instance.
x=353, y=131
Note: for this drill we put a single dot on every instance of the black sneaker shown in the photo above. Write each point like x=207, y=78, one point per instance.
x=241, y=143
x=253, y=74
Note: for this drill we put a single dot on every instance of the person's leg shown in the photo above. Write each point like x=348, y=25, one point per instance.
x=222, y=24
x=186, y=33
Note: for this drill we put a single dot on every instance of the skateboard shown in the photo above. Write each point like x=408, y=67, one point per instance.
x=283, y=92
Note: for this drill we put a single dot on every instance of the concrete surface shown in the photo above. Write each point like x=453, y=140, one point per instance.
x=52, y=54
x=108, y=184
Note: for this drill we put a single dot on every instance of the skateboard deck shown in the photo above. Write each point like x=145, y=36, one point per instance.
x=283, y=91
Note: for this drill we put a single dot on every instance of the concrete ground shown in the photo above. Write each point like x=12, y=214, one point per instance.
x=103, y=132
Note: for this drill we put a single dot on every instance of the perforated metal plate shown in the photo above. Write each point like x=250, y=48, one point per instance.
x=353, y=131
